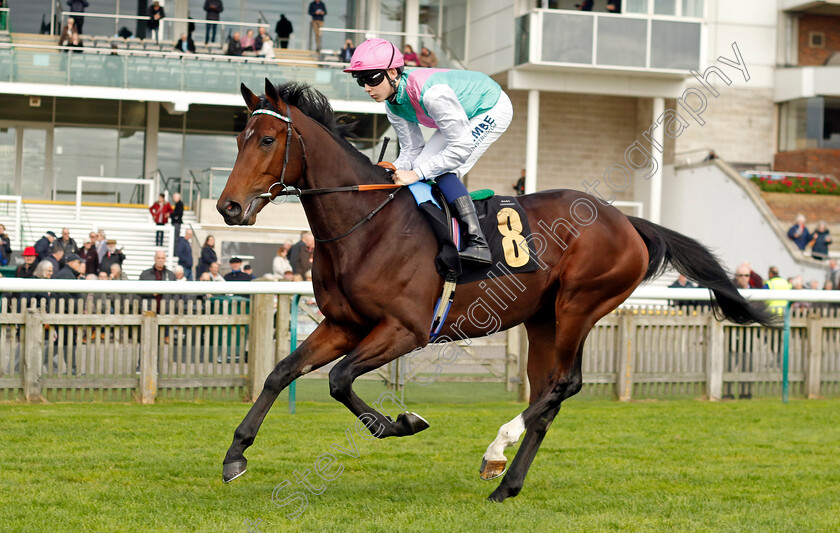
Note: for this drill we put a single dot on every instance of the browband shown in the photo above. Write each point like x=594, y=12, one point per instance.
x=273, y=114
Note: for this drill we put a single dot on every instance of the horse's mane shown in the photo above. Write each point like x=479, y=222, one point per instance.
x=316, y=106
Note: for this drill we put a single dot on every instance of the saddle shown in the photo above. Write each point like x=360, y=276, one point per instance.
x=506, y=229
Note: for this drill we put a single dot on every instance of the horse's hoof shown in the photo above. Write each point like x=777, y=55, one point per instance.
x=502, y=493
x=233, y=470
x=492, y=469
x=414, y=422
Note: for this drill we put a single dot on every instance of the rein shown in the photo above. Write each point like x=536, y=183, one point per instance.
x=288, y=190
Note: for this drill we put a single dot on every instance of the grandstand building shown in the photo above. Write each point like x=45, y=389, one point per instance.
x=593, y=93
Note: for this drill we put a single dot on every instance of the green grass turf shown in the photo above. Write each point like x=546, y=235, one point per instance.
x=605, y=466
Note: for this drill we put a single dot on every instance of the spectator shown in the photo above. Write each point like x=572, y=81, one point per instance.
x=301, y=254
x=208, y=256
x=213, y=9
x=346, y=53
x=266, y=49
x=236, y=273
x=234, y=45
x=774, y=281
x=317, y=10
x=248, y=41
x=519, y=186
x=742, y=276
x=177, y=215
x=280, y=265
x=76, y=42
x=158, y=272
x=155, y=14
x=44, y=270
x=90, y=257
x=682, y=283
x=179, y=273
x=427, y=58
x=409, y=57
x=821, y=240
x=116, y=273
x=756, y=281
x=250, y=271
x=614, y=6
x=160, y=214
x=5, y=247
x=284, y=30
x=187, y=46
x=214, y=271
x=112, y=256
x=72, y=268
x=585, y=5
x=56, y=257
x=260, y=39
x=101, y=244
x=832, y=274
x=78, y=6
x=183, y=251
x=42, y=246
x=798, y=233
x=27, y=269
x=66, y=242
x=67, y=32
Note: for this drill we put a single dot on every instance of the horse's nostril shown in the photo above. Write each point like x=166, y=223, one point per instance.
x=233, y=209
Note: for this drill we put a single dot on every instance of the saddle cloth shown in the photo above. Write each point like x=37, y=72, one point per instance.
x=505, y=226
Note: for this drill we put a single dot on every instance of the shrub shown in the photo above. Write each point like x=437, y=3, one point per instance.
x=797, y=185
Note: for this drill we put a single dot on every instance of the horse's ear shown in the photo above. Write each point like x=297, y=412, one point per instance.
x=251, y=100
x=271, y=93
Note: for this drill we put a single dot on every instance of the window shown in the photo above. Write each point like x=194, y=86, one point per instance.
x=816, y=39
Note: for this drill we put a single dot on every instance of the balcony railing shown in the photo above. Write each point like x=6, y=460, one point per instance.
x=130, y=69
x=609, y=41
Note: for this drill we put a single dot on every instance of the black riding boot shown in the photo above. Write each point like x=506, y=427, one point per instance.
x=476, y=248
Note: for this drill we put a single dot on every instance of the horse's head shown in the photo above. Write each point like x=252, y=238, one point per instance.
x=270, y=151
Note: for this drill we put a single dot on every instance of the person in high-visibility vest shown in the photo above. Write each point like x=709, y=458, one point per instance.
x=778, y=283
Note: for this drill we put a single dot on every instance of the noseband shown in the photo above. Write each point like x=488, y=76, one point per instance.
x=288, y=190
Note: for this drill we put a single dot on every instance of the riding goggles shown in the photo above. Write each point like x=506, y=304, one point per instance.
x=370, y=78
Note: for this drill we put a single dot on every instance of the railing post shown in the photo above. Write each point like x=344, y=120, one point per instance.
x=260, y=343
x=714, y=364
x=33, y=356
x=625, y=355
x=815, y=336
x=148, y=357
x=524, y=388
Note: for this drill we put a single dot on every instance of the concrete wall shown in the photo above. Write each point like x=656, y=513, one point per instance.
x=580, y=137
x=704, y=203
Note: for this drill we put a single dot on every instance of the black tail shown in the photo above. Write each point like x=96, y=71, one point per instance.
x=699, y=264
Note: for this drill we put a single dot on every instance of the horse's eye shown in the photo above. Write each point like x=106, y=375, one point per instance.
x=267, y=141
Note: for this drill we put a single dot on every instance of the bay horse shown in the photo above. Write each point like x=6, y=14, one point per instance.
x=376, y=282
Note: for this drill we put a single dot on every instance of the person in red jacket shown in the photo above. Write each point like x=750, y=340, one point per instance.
x=160, y=214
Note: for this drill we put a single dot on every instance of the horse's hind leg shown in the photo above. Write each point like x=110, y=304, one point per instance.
x=552, y=387
x=325, y=344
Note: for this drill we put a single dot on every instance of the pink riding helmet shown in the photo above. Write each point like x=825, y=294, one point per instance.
x=375, y=54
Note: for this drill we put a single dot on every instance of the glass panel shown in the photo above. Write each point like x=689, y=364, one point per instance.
x=665, y=7
x=170, y=153
x=85, y=152
x=831, y=123
x=621, y=41
x=87, y=111
x=523, y=39
x=7, y=160
x=454, y=26
x=204, y=151
x=34, y=161
x=675, y=45
x=636, y=6
x=567, y=38
x=692, y=8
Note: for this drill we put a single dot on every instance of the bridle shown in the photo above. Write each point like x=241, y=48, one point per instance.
x=289, y=190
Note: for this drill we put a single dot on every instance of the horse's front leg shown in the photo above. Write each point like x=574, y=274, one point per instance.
x=386, y=342
x=327, y=343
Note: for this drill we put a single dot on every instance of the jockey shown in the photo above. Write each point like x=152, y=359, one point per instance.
x=468, y=109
